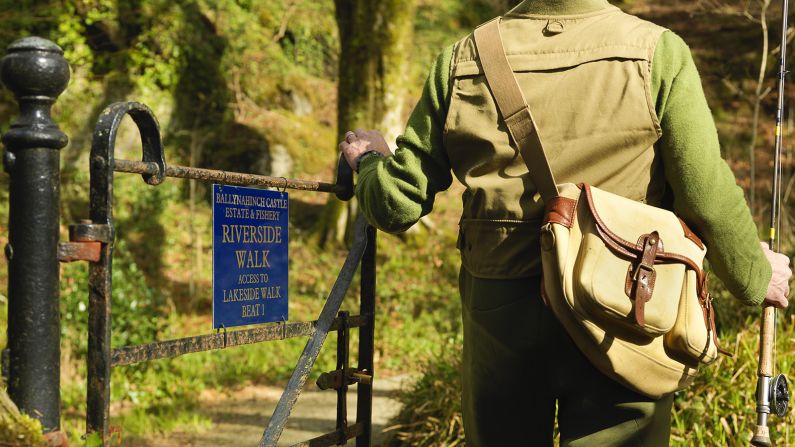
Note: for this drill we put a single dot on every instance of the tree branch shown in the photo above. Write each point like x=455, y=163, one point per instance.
x=291, y=7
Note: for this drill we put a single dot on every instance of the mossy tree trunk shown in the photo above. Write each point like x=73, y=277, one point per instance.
x=375, y=44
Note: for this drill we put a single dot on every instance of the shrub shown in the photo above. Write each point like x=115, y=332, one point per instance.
x=16, y=429
x=431, y=409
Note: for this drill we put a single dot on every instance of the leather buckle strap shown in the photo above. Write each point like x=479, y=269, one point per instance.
x=644, y=277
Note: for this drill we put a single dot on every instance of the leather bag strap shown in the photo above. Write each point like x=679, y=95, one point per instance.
x=513, y=107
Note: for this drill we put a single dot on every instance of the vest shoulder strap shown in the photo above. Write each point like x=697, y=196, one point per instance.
x=513, y=107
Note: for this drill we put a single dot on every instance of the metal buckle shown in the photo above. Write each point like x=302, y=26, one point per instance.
x=640, y=266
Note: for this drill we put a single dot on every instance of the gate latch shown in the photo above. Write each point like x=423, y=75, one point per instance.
x=85, y=242
x=334, y=380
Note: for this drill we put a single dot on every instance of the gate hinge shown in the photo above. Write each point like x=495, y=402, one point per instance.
x=79, y=251
x=85, y=242
x=334, y=380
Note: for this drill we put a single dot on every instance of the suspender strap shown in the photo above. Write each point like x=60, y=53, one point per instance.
x=513, y=107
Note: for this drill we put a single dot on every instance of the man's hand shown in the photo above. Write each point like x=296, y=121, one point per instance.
x=778, y=289
x=360, y=141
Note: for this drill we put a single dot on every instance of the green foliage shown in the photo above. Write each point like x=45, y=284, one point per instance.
x=94, y=440
x=188, y=60
x=420, y=310
x=136, y=310
x=16, y=429
x=440, y=23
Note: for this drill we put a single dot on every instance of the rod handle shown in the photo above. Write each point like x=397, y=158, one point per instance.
x=766, y=341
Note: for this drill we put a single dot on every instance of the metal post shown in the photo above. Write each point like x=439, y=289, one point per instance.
x=343, y=346
x=364, y=407
x=35, y=70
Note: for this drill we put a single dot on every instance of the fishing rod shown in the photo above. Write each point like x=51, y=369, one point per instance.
x=772, y=394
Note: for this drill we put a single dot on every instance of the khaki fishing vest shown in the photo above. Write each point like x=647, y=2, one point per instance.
x=587, y=80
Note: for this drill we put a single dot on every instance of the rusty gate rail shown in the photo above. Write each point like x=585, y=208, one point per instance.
x=226, y=177
x=130, y=355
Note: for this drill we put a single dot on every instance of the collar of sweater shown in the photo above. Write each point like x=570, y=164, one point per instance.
x=559, y=7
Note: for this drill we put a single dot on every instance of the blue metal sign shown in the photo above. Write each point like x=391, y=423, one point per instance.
x=250, y=270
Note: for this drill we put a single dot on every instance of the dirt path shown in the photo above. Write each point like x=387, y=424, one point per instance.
x=239, y=419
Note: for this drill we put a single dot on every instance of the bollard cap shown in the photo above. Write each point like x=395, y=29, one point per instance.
x=35, y=70
x=35, y=67
x=34, y=43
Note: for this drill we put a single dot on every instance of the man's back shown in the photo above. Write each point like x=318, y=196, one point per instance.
x=587, y=80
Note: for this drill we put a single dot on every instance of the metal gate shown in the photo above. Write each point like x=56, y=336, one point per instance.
x=36, y=72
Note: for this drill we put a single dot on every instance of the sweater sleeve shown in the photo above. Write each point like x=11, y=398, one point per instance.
x=705, y=192
x=395, y=192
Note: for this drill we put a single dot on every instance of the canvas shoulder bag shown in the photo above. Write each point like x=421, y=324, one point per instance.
x=624, y=278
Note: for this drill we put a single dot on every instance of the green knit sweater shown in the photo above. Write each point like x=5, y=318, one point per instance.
x=397, y=191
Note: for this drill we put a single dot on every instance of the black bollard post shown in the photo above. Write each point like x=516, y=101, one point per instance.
x=35, y=70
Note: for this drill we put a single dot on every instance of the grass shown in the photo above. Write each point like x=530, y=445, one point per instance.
x=719, y=408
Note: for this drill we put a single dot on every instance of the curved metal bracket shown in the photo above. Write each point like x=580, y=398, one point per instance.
x=107, y=128
x=103, y=147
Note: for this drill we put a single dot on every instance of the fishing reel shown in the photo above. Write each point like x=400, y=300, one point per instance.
x=777, y=403
x=779, y=395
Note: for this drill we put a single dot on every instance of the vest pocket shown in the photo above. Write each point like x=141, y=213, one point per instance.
x=500, y=249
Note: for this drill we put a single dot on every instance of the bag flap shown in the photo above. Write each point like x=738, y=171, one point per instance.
x=629, y=220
